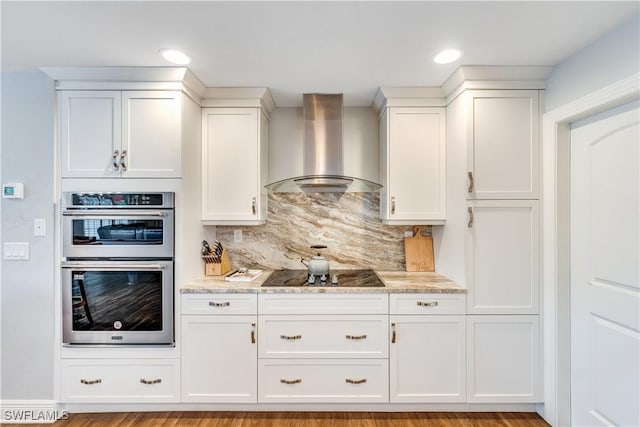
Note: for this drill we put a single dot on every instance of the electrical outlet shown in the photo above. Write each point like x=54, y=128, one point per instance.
x=237, y=236
x=408, y=233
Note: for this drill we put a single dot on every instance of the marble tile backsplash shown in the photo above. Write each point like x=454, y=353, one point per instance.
x=347, y=224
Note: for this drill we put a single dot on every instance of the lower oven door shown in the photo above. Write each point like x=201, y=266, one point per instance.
x=123, y=302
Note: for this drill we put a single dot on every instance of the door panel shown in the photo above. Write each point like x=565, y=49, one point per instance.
x=605, y=268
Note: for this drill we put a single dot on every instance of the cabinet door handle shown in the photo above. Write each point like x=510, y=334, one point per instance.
x=253, y=205
x=356, y=337
x=470, y=223
x=393, y=205
x=393, y=333
x=470, y=175
x=360, y=381
x=116, y=166
x=427, y=303
x=253, y=333
x=296, y=381
x=219, y=304
x=96, y=381
x=145, y=381
x=291, y=337
x=123, y=156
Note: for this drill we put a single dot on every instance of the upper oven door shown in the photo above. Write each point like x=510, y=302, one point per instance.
x=112, y=233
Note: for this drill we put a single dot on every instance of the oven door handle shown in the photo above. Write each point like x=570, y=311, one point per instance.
x=114, y=266
x=103, y=212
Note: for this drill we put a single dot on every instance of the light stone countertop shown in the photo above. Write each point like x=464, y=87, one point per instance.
x=394, y=281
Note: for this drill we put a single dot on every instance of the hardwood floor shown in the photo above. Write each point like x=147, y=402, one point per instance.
x=305, y=419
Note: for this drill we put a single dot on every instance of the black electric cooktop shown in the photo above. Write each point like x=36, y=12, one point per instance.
x=346, y=278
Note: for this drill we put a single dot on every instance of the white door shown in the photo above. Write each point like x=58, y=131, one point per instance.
x=605, y=260
x=89, y=133
x=151, y=123
x=502, y=257
x=416, y=165
x=219, y=359
x=427, y=359
x=230, y=152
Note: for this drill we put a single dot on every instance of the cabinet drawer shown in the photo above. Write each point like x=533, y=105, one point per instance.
x=323, y=381
x=427, y=304
x=360, y=336
x=313, y=303
x=120, y=381
x=219, y=303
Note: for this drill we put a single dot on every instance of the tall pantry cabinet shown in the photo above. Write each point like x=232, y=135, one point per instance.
x=493, y=172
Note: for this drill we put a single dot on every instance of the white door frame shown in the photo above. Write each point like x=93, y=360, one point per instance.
x=556, y=240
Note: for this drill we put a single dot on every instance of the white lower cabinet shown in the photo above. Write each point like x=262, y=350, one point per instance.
x=427, y=348
x=120, y=380
x=219, y=357
x=503, y=359
x=315, y=348
x=323, y=380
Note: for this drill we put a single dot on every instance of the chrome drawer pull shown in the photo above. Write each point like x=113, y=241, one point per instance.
x=123, y=165
x=350, y=381
x=156, y=381
x=253, y=205
x=98, y=381
x=470, y=189
x=296, y=381
x=291, y=337
x=116, y=166
x=427, y=304
x=470, y=223
x=393, y=205
x=219, y=304
x=356, y=337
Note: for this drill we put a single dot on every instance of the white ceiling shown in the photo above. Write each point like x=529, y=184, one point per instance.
x=298, y=47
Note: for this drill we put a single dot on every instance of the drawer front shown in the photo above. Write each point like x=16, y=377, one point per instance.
x=323, y=381
x=359, y=336
x=219, y=303
x=120, y=381
x=316, y=303
x=427, y=304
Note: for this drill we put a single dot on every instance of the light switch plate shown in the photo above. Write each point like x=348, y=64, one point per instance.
x=16, y=251
x=39, y=227
x=237, y=236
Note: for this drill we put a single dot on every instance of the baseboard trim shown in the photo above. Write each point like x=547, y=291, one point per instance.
x=30, y=412
x=292, y=407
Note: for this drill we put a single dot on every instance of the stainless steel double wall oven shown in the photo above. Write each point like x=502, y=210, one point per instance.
x=117, y=269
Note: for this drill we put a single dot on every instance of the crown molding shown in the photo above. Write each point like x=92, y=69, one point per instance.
x=258, y=97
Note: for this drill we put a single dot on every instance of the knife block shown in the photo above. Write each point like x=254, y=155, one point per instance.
x=212, y=268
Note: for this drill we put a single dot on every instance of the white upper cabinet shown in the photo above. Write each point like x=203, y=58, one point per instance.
x=412, y=144
x=151, y=124
x=503, y=144
x=503, y=271
x=234, y=165
x=110, y=134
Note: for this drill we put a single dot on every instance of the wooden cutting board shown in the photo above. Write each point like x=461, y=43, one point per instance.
x=418, y=252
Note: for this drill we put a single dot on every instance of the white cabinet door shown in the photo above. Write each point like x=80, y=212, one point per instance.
x=503, y=144
x=503, y=257
x=503, y=359
x=151, y=124
x=427, y=358
x=233, y=150
x=413, y=166
x=90, y=133
x=219, y=359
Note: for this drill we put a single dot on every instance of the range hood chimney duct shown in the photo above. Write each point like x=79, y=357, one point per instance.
x=323, y=165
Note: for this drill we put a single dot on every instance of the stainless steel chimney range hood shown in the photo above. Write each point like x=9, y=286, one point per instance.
x=323, y=156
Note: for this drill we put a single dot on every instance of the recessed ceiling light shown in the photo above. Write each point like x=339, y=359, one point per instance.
x=175, y=56
x=447, y=56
